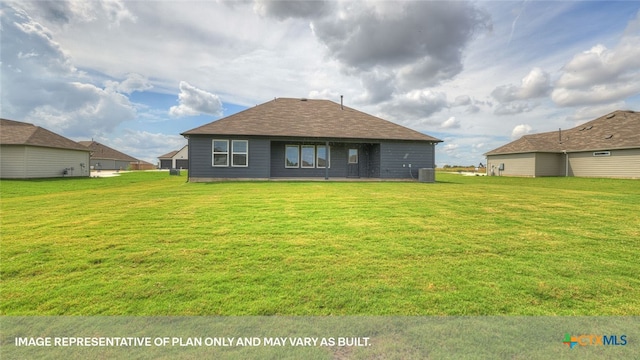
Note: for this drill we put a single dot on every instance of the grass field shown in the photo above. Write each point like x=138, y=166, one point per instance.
x=152, y=244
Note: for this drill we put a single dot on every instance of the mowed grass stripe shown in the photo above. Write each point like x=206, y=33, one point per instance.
x=146, y=243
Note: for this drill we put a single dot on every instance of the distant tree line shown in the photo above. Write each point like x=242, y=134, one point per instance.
x=481, y=165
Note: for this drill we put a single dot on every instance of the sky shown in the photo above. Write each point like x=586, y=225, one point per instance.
x=133, y=75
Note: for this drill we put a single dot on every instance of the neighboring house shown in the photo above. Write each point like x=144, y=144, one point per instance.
x=142, y=165
x=306, y=138
x=177, y=159
x=608, y=146
x=166, y=160
x=29, y=151
x=106, y=158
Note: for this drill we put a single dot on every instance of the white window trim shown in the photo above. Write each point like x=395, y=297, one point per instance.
x=213, y=153
x=240, y=153
x=313, y=148
x=327, y=154
x=349, y=156
x=285, y=157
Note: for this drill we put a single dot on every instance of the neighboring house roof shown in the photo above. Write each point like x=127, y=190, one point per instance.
x=308, y=118
x=617, y=130
x=172, y=154
x=168, y=156
x=100, y=151
x=20, y=133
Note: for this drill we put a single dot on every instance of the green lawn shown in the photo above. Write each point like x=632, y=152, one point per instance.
x=153, y=244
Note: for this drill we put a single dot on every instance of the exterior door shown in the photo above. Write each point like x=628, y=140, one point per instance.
x=353, y=166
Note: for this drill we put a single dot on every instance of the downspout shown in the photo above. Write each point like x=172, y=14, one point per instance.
x=566, y=163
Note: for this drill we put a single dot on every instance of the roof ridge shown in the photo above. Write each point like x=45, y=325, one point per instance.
x=314, y=118
x=619, y=129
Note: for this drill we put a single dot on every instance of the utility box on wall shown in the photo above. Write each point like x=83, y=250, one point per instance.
x=427, y=175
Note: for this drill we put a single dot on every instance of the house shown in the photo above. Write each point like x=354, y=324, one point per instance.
x=106, y=158
x=177, y=159
x=166, y=160
x=608, y=146
x=29, y=151
x=304, y=138
x=142, y=165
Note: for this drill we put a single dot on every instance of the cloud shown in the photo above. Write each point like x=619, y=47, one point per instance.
x=450, y=148
x=284, y=9
x=61, y=12
x=28, y=47
x=471, y=105
x=57, y=12
x=194, y=101
x=46, y=88
x=514, y=107
x=140, y=144
x=521, y=130
x=415, y=105
x=535, y=85
x=588, y=113
x=323, y=94
x=514, y=99
x=450, y=123
x=378, y=85
x=134, y=82
x=601, y=75
x=462, y=100
x=79, y=109
x=363, y=35
x=398, y=47
x=472, y=109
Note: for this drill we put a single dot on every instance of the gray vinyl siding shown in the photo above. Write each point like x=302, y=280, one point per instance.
x=620, y=164
x=549, y=164
x=109, y=164
x=374, y=161
x=26, y=162
x=201, y=153
x=393, y=155
x=337, y=164
x=267, y=159
x=368, y=162
x=514, y=164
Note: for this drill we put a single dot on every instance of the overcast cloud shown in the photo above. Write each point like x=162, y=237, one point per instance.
x=476, y=74
x=41, y=85
x=396, y=48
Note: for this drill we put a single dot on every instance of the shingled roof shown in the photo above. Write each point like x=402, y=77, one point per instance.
x=101, y=151
x=168, y=155
x=617, y=130
x=21, y=133
x=308, y=118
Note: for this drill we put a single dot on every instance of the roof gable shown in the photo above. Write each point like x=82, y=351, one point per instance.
x=21, y=133
x=101, y=151
x=308, y=118
x=168, y=155
x=617, y=130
